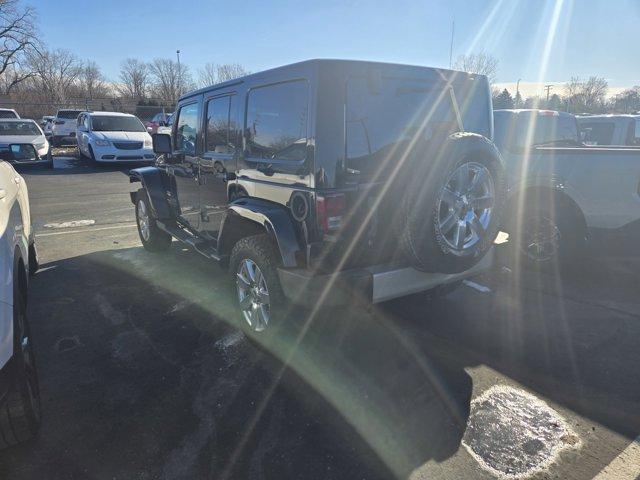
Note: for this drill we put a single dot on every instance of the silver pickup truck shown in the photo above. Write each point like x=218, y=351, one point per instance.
x=565, y=196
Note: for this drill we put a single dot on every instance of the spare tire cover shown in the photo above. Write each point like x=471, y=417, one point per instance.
x=453, y=203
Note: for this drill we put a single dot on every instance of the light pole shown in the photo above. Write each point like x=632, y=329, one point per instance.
x=179, y=73
x=517, y=92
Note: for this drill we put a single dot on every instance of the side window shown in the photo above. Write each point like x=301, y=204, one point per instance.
x=185, y=138
x=599, y=133
x=221, y=124
x=87, y=121
x=276, y=121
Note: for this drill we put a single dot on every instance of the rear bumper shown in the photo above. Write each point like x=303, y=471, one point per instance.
x=69, y=139
x=373, y=285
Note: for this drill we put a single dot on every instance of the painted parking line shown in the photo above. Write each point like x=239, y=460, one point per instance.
x=85, y=230
x=625, y=466
x=476, y=286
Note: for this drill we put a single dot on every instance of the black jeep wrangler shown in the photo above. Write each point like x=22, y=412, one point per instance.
x=328, y=178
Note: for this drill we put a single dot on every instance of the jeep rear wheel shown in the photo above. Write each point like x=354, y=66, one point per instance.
x=253, y=267
x=153, y=239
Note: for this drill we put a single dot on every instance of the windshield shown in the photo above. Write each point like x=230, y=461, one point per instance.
x=69, y=114
x=103, y=123
x=19, y=128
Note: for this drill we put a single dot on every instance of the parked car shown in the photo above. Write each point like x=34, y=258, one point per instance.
x=19, y=391
x=46, y=122
x=168, y=125
x=8, y=113
x=22, y=142
x=63, y=131
x=610, y=129
x=565, y=195
x=305, y=204
x=158, y=120
x=113, y=137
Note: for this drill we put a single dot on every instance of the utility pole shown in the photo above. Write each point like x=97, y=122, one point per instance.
x=517, y=92
x=453, y=30
x=548, y=89
x=179, y=74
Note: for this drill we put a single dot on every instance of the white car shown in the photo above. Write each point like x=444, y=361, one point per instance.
x=15, y=137
x=113, y=137
x=167, y=127
x=46, y=123
x=63, y=131
x=8, y=113
x=19, y=391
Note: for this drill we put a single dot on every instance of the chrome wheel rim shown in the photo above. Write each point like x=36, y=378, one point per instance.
x=253, y=295
x=143, y=221
x=540, y=239
x=465, y=207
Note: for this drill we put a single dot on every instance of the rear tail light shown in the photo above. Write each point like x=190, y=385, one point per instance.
x=329, y=210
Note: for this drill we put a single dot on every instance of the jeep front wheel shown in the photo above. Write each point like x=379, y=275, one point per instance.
x=253, y=266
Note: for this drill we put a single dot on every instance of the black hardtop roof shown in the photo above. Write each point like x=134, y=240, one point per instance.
x=328, y=63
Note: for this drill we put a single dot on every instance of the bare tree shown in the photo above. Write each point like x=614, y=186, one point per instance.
x=480, y=63
x=627, y=101
x=170, y=80
x=218, y=73
x=589, y=96
x=55, y=73
x=18, y=39
x=91, y=82
x=134, y=78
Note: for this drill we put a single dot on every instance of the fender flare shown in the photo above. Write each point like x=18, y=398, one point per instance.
x=268, y=216
x=155, y=182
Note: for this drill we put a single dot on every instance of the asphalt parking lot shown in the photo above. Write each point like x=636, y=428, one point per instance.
x=143, y=376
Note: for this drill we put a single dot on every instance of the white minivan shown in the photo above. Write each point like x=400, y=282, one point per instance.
x=113, y=137
x=63, y=131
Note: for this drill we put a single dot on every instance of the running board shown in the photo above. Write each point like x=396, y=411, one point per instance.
x=203, y=247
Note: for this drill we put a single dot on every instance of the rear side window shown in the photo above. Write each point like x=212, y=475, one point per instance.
x=276, y=121
x=600, y=133
x=221, y=124
x=7, y=114
x=186, y=129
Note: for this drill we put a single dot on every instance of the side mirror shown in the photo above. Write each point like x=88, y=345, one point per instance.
x=161, y=143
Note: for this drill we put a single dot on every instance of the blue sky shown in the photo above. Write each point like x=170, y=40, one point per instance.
x=592, y=37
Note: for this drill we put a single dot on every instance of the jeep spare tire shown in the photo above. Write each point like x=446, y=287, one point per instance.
x=453, y=203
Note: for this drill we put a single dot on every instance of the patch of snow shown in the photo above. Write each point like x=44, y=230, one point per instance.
x=229, y=340
x=513, y=434
x=70, y=224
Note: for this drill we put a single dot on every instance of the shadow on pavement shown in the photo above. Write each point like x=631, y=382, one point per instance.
x=67, y=162
x=572, y=337
x=142, y=375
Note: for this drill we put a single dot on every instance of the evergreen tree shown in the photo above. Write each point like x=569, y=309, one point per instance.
x=503, y=100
